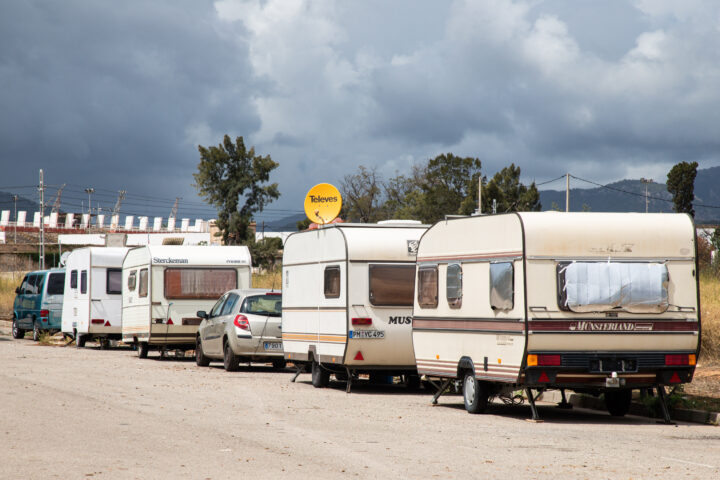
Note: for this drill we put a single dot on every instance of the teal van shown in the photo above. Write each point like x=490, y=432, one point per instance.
x=38, y=303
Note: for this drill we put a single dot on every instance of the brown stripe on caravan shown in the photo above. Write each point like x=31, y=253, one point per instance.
x=469, y=325
x=472, y=256
x=605, y=325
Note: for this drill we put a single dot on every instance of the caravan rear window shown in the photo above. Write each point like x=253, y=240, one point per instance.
x=132, y=280
x=56, y=284
x=198, y=283
x=113, y=285
x=143, y=287
x=331, y=284
x=453, y=285
x=392, y=285
x=428, y=287
x=73, y=279
x=83, y=281
x=604, y=286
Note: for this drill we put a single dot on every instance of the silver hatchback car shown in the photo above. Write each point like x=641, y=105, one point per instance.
x=243, y=326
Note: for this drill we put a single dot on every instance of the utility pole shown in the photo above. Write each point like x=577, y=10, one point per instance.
x=647, y=181
x=89, y=191
x=174, y=211
x=567, y=192
x=15, y=197
x=41, y=188
x=480, y=194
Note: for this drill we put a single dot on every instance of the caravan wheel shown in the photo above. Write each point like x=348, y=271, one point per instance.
x=320, y=376
x=474, y=394
x=80, y=340
x=142, y=349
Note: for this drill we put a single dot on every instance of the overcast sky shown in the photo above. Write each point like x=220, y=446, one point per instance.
x=117, y=95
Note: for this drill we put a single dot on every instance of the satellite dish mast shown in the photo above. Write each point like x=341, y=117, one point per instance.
x=323, y=203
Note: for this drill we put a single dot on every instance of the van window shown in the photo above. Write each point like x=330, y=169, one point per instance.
x=31, y=288
x=113, y=281
x=199, y=283
x=83, y=281
x=428, y=287
x=25, y=286
x=331, y=284
x=502, y=294
x=73, y=279
x=604, y=286
x=392, y=285
x=132, y=280
x=143, y=287
x=56, y=284
x=453, y=285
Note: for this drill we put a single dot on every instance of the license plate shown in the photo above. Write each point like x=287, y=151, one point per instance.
x=367, y=334
x=272, y=345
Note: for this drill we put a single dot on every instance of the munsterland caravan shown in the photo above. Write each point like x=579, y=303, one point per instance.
x=164, y=286
x=91, y=309
x=347, y=299
x=598, y=302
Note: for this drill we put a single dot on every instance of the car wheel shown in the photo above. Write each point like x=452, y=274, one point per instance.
x=279, y=363
x=36, y=332
x=17, y=332
x=80, y=340
x=474, y=394
x=142, y=349
x=200, y=359
x=617, y=402
x=230, y=360
x=320, y=376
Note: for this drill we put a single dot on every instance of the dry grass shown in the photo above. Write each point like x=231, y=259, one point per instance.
x=7, y=293
x=710, y=306
x=270, y=279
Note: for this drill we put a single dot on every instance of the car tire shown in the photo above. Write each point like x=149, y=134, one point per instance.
x=17, y=332
x=320, y=376
x=474, y=394
x=80, y=340
x=230, y=361
x=200, y=359
x=617, y=402
x=142, y=349
x=279, y=363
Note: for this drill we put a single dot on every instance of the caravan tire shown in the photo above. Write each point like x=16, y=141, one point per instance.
x=142, y=349
x=36, y=332
x=80, y=340
x=474, y=394
x=104, y=344
x=230, y=361
x=200, y=359
x=320, y=376
x=17, y=332
x=617, y=402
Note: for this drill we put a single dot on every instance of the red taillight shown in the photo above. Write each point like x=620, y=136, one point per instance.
x=362, y=321
x=170, y=322
x=677, y=359
x=549, y=360
x=242, y=322
x=97, y=321
x=44, y=313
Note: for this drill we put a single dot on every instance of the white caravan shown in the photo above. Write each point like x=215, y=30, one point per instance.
x=93, y=297
x=165, y=286
x=347, y=299
x=595, y=302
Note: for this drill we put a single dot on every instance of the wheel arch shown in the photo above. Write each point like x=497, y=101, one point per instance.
x=465, y=364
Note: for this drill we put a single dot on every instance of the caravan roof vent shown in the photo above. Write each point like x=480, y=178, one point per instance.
x=173, y=241
x=399, y=222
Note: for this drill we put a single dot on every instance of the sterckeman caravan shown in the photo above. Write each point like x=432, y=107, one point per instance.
x=164, y=286
x=596, y=302
x=93, y=295
x=347, y=299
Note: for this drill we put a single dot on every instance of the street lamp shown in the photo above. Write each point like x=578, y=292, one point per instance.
x=89, y=191
x=646, y=181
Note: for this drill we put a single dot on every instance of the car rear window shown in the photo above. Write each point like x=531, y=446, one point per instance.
x=268, y=304
x=56, y=284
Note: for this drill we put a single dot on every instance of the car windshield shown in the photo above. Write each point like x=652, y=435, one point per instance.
x=268, y=304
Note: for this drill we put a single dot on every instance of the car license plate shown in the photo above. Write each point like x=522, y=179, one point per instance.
x=273, y=346
x=367, y=334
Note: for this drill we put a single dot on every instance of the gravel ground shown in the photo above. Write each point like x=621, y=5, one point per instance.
x=88, y=413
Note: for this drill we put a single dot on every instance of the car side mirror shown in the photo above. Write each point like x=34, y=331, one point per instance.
x=17, y=290
x=202, y=314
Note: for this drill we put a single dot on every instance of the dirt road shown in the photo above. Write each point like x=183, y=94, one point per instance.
x=87, y=413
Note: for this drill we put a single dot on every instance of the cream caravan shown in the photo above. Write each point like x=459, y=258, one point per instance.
x=93, y=296
x=164, y=286
x=347, y=299
x=599, y=302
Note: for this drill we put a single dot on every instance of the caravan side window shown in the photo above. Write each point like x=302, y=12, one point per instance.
x=83, y=281
x=428, y=287
x=113, y=284
x=453, y=288
x=73, y=278
x=502, y=295
x=143, y=287
x=332, y=282
x=391, y=285
x=132, y=280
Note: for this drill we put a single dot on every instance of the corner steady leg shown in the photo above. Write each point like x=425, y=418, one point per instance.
x=300, y=369
x=348, y=385
x=533, y=408
x=663, y=404
x=441, y=389
x=564, y=404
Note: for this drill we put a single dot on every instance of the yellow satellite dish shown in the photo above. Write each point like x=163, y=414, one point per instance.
x=323, y=203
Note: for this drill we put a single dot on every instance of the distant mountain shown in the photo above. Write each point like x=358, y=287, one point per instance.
x=7, y=203
x=285, y=224
x=629, y=196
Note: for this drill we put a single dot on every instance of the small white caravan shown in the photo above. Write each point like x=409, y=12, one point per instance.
x=93, y=297
x=595, y=302
x=347, y=299
x=165, y=286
